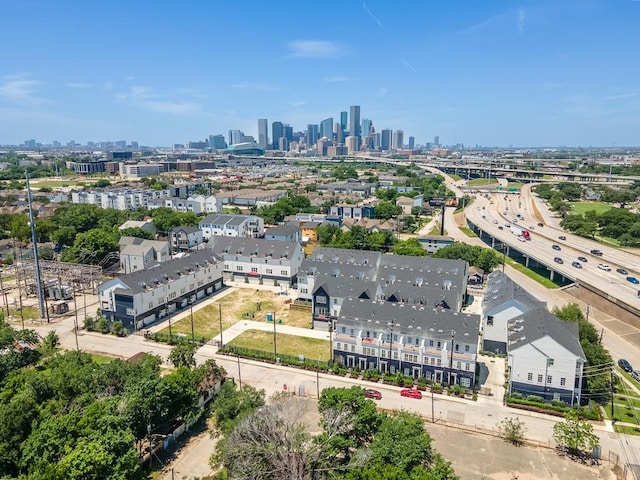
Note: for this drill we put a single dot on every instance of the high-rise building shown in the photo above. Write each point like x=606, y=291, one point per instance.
x=277, y=132
x=412, y=143
x=312, y=135
x=263, y=133
x=351, y=143
x=436, y=140
x=321, y=146
x=235, y=136
x=217, y=142
x=288, y=133
x=366, y=127
x=326, y=129
x=283, y=144
x=385, y=139
x=339, y=133
x=398, y=140
x=354, y=121
x=343, y=124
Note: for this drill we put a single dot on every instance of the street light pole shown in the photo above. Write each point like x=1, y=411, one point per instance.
x=220, y=318
x=239, y=376
x=193, y=335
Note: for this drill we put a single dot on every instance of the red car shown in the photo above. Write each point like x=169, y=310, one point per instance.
x=371, y=393
x=409, y=392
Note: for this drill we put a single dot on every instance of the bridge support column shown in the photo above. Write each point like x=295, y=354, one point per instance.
x=552, y=275
x=526, y=261
x=493, y=242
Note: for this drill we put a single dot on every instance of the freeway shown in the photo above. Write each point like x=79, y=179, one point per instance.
x=541, y=248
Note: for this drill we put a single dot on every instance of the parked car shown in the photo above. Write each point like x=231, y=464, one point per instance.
x=604, y=266
x=596, y=252
x=556, y=247
x=562, y=237
x=411, y=393
x=582, y=259
x=576, y=264
x=633, y=280
x=540, y=224
x=495, y=222
x=507, y=225
x=625, y=365
x=371, y=393
x=500, y=228
x=531, y=227
x=558, y=260
x=622, y=271
x=636, y=374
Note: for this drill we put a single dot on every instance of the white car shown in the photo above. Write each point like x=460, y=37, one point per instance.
x=495, y=222
x=604, y=266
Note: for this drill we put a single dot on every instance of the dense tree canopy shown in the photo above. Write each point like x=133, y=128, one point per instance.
x=485, y=258
x=273, y=214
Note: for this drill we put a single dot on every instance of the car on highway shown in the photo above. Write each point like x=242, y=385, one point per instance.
x=495, y=222
x=633, y=280
x=371, y=393
x=622, y=271
x=562, y=237
x=540, y=224
x=411, y=393
x=636, y=375
x=625, y=365
x=576, y=264
x=500, y=228
x=582, y=259
x=604, y=266
x=556, y=247
x=558, y=260
x=531, y=227
x=506, y=225
x=596, y=252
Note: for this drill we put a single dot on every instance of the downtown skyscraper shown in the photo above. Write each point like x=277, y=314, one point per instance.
x=354, y=121
x=263, y=133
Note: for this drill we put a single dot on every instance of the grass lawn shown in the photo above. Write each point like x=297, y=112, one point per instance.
x=27, y=312
x=623, y=414
x=626, y=430
x=542, y=280
x=515, y=185
x=608, y=240
x=455, y=177
x=100, y=358
x=480, y=182
x=468, y=232
x=311, y=348
x=243, y=303
x=582, y=207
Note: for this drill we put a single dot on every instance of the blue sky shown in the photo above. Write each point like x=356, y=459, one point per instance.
x=494, y=73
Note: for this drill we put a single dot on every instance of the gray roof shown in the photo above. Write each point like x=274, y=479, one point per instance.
x=410, y=320
x=165, y=272
x=337, y=270
x=155, y=244
x=283, y=230
x=540, y=323
x=258, y=247
x=225, y=219
x=346, y=287
x=501, y=289
x=135, y=250
x=346, y=256
x=186, y=230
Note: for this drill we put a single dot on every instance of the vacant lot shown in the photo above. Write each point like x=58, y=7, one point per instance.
x=241, y=304
x=479, y=182
x=311, y=348
x=582, y=207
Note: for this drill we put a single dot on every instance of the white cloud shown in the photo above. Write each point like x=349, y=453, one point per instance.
x=521, y=19
x=315, y=49
x=146, y=98
x=78, y=85
x=20, y=89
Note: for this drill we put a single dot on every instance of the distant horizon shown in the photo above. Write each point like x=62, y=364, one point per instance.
x=542, y=72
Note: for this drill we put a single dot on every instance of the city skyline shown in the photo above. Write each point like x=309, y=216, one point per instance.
x=493, y=74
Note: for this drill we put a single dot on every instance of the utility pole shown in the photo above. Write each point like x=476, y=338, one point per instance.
x=75, y=308
x=193, y=335
x=220, y=318
x=611, y=386
x=4, y=294
x=239, y=376
x=275, y=349
x=36, y=259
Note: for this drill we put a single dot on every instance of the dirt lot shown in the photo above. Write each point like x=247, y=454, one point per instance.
x=243, y=303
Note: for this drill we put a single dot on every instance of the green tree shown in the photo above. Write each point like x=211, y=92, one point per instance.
x=410, y=246
x=137, y=232
x=64, y=235
x=93, y=246
x=103, y=182
x=386, y=210
x=574, y=435
x=183, y=355
x=50, y=344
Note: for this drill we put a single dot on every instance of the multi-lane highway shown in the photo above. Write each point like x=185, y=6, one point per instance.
x=543, y=240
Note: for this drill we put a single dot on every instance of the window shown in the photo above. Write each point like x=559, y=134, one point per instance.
x=490, y=320
x=458, y=365
x=321, y=299
x=368, y=334
x=338, y=346
x=395, y=355
x=417, y=342
x=467, y=366
x=239, y=268
x=335, y=301
x=254, y=269
x=540, y=378
x=431, y=343
x=226, y=266
x=343, y=330
x=353, y=348
x=550, y=362
x=529, y=376
x=563, y=381
x=457, y=347
x=439, y=362
x=432, y=361
x=304, y=290
x=269, y=271
x=549, y=379
x=383, y=353
x=284, y=273
x=466, y=348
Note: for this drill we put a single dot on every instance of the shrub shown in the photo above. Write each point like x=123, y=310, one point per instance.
x=535, y=399
x=117, y=328
x=89, y=324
